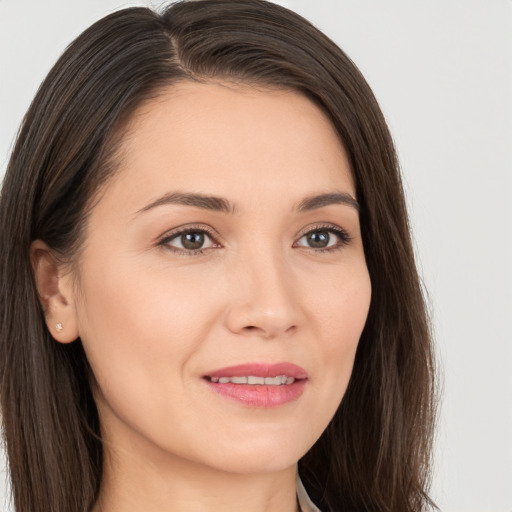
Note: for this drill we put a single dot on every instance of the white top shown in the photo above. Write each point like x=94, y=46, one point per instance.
x=305, y=503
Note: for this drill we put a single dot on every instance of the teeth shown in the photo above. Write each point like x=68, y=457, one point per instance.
x=255, y=380
x=252, y=380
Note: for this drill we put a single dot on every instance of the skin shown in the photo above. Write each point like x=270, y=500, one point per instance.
x=155, y=318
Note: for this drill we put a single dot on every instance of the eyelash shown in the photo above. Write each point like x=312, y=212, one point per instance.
x=341, y=234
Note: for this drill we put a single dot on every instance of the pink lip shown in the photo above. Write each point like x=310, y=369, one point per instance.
x=260, y=396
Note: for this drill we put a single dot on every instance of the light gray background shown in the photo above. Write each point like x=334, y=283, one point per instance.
x=442, y=71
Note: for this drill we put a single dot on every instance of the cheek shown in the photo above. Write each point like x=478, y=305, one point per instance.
x=346, y=323
x=342, y=307
x=140, y=336
x=340, y=315
x=140, y=332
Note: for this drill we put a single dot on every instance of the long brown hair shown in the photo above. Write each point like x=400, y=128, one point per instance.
x=375, y=454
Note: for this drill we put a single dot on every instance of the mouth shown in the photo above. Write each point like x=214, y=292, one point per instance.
x=252, y=380
x=259, y=385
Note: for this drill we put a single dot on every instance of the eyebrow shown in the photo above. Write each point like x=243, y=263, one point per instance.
x=321, y=200
x=206, y=202
x=221, y=204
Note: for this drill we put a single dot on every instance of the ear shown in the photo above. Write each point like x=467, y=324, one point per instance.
x=55, y=289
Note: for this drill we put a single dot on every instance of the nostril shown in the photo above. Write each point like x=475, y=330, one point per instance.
x=291, y=329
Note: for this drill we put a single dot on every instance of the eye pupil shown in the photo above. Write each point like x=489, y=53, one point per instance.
x=192, y=240
x=318, y=239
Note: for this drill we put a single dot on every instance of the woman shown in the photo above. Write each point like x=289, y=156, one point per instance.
x=207, y=277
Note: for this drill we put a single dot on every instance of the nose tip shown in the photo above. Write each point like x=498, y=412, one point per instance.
x=264, y=305
x=247, y=320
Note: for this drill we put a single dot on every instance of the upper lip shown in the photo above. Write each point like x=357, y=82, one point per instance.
x=260, y=370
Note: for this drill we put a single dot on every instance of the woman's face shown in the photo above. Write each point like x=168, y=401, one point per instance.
x=226, y=247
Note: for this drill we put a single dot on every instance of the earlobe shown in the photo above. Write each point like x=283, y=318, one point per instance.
x=55, y=289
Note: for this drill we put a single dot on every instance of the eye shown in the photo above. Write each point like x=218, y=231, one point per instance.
x=323, y=238
x=190, y=240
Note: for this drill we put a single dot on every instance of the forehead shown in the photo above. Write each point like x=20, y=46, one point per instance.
x=220, y=138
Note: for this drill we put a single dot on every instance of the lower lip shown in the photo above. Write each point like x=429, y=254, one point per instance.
x=261, y=396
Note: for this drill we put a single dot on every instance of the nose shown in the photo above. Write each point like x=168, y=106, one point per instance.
x=263, y=298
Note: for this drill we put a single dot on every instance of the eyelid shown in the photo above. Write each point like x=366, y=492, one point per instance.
x=321, y=225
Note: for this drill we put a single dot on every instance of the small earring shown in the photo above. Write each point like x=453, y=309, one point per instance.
x=59, y=327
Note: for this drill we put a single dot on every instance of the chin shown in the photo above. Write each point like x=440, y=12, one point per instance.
x=259, y=464
x=261, y=456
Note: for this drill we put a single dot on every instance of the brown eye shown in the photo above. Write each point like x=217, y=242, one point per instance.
x=324, y=238
x=318, y=239
x=190, y=240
